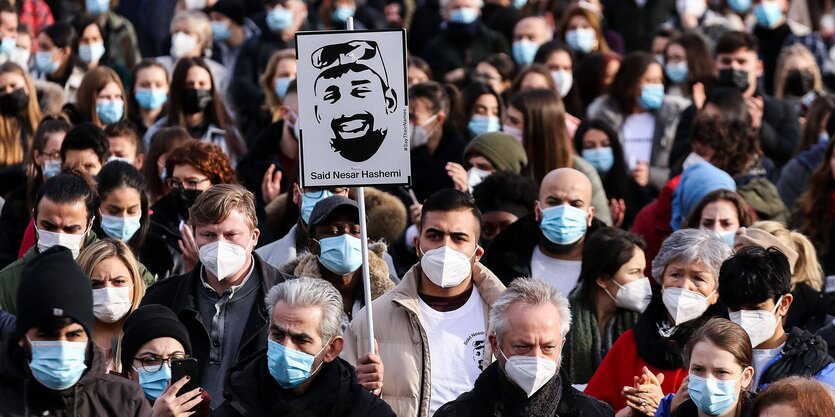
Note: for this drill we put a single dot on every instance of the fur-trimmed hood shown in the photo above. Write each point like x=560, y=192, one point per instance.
x=307, y=265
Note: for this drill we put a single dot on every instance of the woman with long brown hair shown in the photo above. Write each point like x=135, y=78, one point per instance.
x=100, y=98
x=195, y=103
x=814, y=212
x=19, y=113
x=582, y=31
x=537, y=119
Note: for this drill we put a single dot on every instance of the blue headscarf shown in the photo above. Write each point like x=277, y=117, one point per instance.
x=697, y=181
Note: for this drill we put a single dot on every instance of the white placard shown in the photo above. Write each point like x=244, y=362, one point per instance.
x=353, y=108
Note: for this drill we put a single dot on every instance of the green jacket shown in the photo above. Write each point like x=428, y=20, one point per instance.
x=122, y=45
x=10, y=276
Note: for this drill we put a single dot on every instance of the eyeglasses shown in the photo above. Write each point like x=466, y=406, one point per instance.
x=187, y=184
x=54, y=156
x=153, y=363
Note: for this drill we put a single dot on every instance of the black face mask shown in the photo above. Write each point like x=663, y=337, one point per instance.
x=798, y=83
x=195, y=101
x=183, y=200
x=12, y=103
x=733, y=78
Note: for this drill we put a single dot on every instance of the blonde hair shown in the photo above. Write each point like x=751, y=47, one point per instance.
x=807, y=269
x=111, y=248
x=11, y=127
x=214, y=205
x=199, y=23
x=273, y=102
x=795, y=51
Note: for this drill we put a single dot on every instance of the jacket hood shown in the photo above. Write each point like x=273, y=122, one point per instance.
x=307, y=265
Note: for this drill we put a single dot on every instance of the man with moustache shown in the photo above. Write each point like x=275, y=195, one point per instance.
x=548, y=244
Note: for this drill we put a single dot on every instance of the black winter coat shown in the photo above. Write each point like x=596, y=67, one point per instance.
x=486, y=400
x=251, y=391
x=97, y=393
x=509, y=255
x=179, y=293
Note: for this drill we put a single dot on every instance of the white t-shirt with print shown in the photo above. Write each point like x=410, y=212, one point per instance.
x=456, y=348
x=560, y=273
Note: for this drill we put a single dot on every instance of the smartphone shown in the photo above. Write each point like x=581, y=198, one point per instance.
x=181, y=368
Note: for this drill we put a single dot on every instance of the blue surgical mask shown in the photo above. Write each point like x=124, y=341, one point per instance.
x=51, y=168
x=309, y=202
x=150, y=99
x=564, y=224
x=91, y=52
x=58, y=364
x=463, y=16
x=122, y=228
x=97, y=7
x=342, y=13
x=154, y=383
x=110, y=111
x=480, y=124
x=676, y=72
x=524, y=51
x=279, y=19
x=341, y=254
x=713, y=396
x=44, y=62
x=601, y=159
x=8, y=45
x=728, y=237
x=519, y=4
x=652, y=96
x=220, y=31
x=581, y=40
x=281, y=85
x=290, y=368
x=740, y=6
x=164, y=174
x=768, y=14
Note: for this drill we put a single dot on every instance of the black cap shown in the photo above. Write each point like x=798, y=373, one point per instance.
x=233, y=9
x=53, y=285
x=151, y=322
x=325, y=207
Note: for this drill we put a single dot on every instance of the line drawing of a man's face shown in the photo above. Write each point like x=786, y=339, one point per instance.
x=353, y=98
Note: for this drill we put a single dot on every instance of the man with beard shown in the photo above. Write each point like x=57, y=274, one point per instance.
x=548, y=244
x=353, y=80
x=530, y=321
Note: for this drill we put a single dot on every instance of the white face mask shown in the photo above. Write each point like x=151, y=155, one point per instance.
x=446, y=267
x=564, y=80
x=419, y=134
x=529, y=373
x=475, y=176
x=694, y=8
x=110, y=304
x=182, y=44
x=634, y=296
x=684, y=305
x=223, y=259
x=47, y=240
x=759, y=324
x=195, y=4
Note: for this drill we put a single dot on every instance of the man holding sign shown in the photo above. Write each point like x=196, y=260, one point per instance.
x=431, y=328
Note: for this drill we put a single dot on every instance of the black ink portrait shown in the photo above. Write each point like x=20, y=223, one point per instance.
x=353, y=97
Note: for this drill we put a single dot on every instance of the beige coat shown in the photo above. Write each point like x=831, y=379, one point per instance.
x=403, y=343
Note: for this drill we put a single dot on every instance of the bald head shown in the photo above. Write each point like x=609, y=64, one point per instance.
x=534, y=29
x=565, y=186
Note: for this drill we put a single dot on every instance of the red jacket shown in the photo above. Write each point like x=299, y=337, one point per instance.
x=620, y=365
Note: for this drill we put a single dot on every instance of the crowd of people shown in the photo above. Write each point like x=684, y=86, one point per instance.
x=617, y=208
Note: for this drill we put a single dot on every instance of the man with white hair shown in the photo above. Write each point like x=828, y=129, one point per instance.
x=301, y=372
x=528, y=35
x=530, y=321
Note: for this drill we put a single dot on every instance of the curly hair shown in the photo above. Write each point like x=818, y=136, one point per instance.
x=735, y=145
x=811, y=216
x=206, y=158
